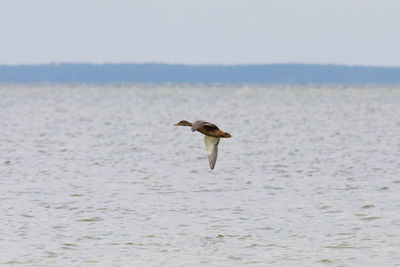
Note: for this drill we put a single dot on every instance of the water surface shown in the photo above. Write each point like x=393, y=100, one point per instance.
x=97, y=175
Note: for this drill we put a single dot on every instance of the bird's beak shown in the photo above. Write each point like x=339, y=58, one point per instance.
x=176, y=124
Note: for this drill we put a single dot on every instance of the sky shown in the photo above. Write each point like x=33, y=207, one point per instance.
x=348, y=32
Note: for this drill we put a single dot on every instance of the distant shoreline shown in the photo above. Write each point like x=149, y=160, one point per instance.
x=179, y=73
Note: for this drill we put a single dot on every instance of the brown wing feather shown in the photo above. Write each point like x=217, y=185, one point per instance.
x=198, y=124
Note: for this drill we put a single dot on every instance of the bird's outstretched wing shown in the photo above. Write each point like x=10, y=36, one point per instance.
x=198, y=124
x=211, y=149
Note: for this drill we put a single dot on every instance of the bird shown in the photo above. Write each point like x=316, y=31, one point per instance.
x=212, y=135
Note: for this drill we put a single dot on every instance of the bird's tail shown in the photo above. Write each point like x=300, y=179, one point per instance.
x=223, y=134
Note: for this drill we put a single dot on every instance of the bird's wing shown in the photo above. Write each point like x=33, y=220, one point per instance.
x=198, y=124
x=211, y=149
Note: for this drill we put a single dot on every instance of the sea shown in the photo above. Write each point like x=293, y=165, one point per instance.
x=97, y=175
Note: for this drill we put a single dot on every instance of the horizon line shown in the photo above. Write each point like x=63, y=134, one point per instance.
x=195, y=64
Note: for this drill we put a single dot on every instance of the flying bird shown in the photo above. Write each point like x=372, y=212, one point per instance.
x=212, y=135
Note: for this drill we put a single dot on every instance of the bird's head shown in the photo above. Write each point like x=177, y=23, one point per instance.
x=183, y=123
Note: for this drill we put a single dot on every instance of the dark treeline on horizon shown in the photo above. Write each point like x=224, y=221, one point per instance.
x=158, y=73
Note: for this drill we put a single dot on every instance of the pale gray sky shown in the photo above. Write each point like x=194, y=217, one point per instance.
x=352, y=32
